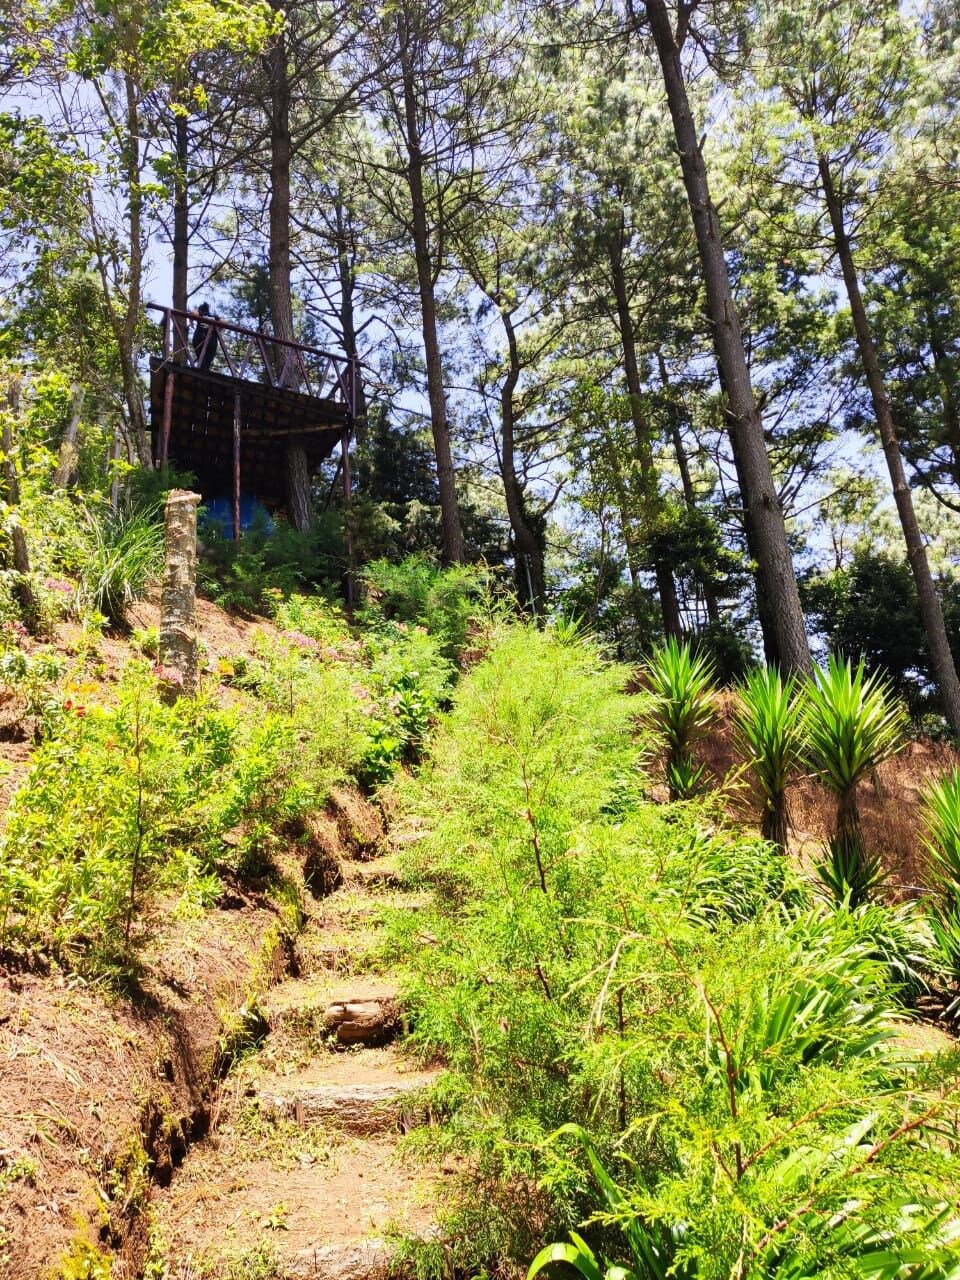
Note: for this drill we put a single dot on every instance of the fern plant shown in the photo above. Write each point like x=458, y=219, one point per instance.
x=852, y=723
x=682, y=708
x=768, y=725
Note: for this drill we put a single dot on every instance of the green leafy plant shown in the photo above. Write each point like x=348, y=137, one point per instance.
x=125, y=552
x=852, y=725
x=942, y=805
x=768, y=724
x=682, y=708
x=445, y=601
x=849, y=872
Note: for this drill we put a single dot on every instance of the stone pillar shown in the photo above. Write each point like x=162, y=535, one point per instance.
x=178, y=613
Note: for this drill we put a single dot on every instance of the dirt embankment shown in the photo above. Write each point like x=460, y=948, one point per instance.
x=891, y=803
x=102, y=1091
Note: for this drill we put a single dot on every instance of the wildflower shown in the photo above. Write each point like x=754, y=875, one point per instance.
x=299, y=639
x=169, y=675
x=59, y=584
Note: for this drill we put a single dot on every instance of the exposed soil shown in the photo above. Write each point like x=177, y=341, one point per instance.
x=891, y=804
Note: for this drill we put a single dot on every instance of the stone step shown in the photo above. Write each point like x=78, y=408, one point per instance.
x=366, y=1260
x=354, y=905
x=378, y=873
x=368, y=1092
x=396, y=1107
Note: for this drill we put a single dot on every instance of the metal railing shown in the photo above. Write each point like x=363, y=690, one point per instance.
x=205, y=342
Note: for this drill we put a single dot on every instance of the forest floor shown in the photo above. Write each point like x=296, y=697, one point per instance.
x=247, y=1107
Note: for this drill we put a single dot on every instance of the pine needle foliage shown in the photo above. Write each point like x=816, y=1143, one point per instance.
x=681, y=710
x=768, y=725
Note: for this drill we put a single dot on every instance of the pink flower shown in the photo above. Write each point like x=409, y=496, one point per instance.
x=299, y=639
x=169, y=675
x=59, y=584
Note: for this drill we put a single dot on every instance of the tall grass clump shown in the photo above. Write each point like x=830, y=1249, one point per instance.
x=681, y=710
x=768, y=724
x=710, y=1043
x=853, y=723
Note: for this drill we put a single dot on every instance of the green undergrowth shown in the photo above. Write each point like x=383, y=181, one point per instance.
x=714, y=1041
x=134, y=809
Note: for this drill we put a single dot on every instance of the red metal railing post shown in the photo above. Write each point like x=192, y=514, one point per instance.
x=164, y=447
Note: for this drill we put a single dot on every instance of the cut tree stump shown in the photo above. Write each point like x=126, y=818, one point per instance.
x=366, y=1260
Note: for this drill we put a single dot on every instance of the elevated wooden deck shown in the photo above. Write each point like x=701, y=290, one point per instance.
x=227, y=402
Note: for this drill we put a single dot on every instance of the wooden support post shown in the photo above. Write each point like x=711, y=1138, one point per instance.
x=178, y=611
x=347, y=487
x=164, y=446
x=237, y=410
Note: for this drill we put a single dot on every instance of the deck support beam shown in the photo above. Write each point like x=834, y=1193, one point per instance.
x=347, y=491
x=237, y=412
x=165, y=425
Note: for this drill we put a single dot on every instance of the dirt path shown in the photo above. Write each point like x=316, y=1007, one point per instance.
x=308, y=1171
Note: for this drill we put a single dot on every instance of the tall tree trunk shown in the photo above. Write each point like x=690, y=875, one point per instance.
x=686, y=484
x=781, y=616
x=130, y=325
x=348, y=327
x=453, y=551
x=181, y=212
x=18, y=539
x=527, y=546
x=278, y=265
x=666, y=587
x=944, y=670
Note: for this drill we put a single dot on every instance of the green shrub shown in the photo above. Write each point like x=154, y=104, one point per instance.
x=852, y=724
x=270, y=562
x=127, y=801
x=768, y=724
x=646, y=974
x=125, y=550
x=445, y=601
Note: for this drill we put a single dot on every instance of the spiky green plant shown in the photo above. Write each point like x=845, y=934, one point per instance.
x=852, y=723
x=125, y=551
x=768, y=725
x=682, y=708
x=850, y=873
x=942, y=804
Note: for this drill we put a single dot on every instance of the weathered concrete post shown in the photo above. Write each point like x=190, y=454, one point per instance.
x=178, y=611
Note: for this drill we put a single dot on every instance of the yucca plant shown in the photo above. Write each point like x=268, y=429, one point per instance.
x=942, y=804
x=682, y=708
x=852, y=723
x=768, y=724
x=849, y=872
